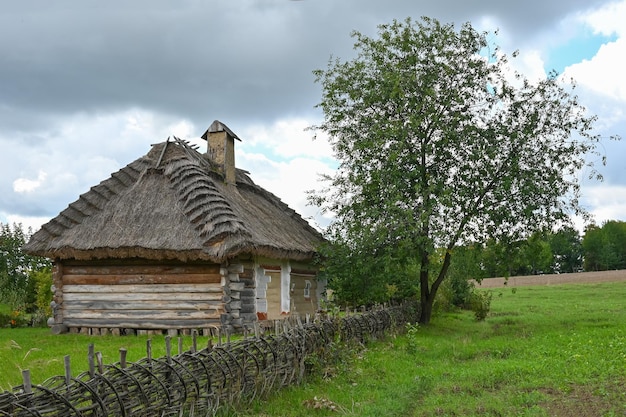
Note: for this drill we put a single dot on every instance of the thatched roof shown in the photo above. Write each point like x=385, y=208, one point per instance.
x=173, y=203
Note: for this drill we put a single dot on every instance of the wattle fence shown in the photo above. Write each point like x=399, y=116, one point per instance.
x=199, y=383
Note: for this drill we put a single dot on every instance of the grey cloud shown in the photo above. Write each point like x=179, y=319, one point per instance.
x=242, y=60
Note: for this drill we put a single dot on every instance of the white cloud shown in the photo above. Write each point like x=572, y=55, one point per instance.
x=32, y=222
x=289, y=180
x=606, y=202
x=25, y=185
x=77, y=152
x=286, y=138
x=604, y=73
x=608, y=20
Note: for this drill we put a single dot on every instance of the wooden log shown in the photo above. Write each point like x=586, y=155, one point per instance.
x=109, y=297
x=247, y=308
x=129, y=325
x=248, y=300
x=142, y=314
x=248, y=292
x=235, y=268
x=156, y=288
x=128, y=268
x=141, y=279
x=140, y=305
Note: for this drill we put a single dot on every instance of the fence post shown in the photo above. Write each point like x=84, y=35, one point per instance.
x=68, y=371
x=28, y=386
x=194, y=341
x=168, y=349
x=149, y=351
x=90, y=359
x=100, y=364
x=122, y=358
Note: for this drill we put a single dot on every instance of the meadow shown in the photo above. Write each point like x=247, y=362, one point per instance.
x=542, y=351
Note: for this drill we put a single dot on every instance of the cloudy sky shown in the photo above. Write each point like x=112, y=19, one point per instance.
x=86, y=87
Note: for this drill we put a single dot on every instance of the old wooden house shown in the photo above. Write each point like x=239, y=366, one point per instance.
x=176, y=240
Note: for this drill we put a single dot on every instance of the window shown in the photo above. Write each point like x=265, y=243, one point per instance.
x=307, y=289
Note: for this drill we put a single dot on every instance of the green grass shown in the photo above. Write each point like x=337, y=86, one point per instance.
x=543, y=351
x=43, y=353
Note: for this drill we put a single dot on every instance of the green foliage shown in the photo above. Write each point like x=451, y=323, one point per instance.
x=43, y=284
x=559, y=251
x=355, y=281
x=537, y=254
x=466, y=265
x=18, y=286
x=412, y=338
x=567, y=250
x=437, y=147
x=480, y=303
x=605, y=247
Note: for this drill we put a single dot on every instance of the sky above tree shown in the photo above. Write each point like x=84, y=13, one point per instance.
x=86, y=87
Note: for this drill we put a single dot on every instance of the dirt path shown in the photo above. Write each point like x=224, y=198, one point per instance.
x=553, y=279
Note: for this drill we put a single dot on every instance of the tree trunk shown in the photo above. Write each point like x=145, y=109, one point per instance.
x=428, y=293
x=426, y=303
x=426, y=309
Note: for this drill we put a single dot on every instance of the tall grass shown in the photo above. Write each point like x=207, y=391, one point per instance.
x=542, y=351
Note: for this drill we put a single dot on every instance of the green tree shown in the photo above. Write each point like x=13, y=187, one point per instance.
x=17, y=286
x=439, y=143
x=502, y=258
x=614, y=233
x=567, y=252
x=537, y=254
x=592, y=247
x=466, y=265
x=605, y=247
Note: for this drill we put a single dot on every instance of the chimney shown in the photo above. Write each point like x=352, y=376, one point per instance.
x=221, y=149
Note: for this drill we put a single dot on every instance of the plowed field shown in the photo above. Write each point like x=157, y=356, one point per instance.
x=555, y=279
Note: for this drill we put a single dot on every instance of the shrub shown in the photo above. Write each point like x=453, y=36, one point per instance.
x=480, y=303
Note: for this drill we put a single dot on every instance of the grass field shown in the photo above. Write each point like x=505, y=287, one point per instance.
x=542, y=351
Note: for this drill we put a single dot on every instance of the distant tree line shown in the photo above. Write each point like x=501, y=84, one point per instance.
x=548, y=252
x=600, y=248
x=25, y=280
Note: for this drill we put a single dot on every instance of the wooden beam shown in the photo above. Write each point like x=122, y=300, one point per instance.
x=125, y=279
x=154, y=315
x=142, y=305
x=142, y=324
x=155, y=288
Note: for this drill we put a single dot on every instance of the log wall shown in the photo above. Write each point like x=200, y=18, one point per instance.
x=141, y=296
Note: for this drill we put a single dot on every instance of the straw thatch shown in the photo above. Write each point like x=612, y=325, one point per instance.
x=173, y=203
